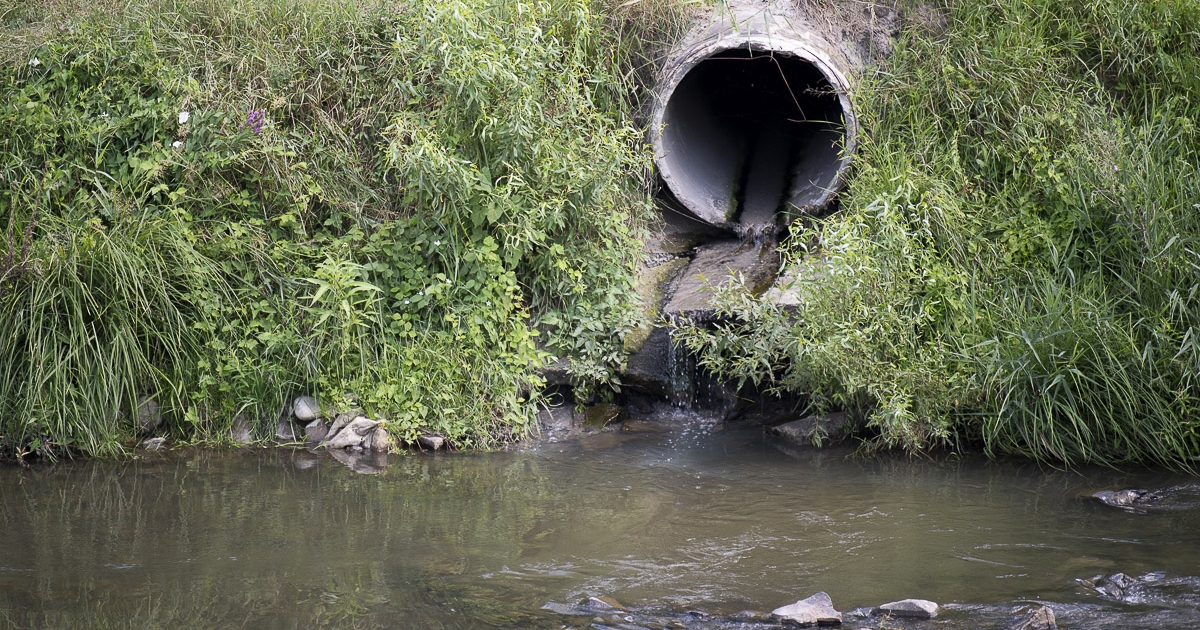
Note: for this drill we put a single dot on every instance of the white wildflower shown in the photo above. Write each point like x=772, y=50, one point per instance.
x=35, y=62
x=183, y=117
x=176, y=144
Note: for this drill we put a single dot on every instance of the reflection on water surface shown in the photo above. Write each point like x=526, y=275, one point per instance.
x=665, y=522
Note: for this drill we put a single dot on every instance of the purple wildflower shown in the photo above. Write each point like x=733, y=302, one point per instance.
x=254, y=120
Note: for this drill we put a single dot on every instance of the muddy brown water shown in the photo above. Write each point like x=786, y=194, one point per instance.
x=671, y=521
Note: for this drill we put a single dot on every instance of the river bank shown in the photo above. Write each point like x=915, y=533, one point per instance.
x=414, y=209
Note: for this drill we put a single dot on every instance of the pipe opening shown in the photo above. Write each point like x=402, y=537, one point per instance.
x=747, y=133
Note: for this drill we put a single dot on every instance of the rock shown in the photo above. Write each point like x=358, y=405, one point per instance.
x=382, y=441
x=362, y=425
x=432, y=442
x=240, y=432
x=1138, y=501
x=557, y=373
x=912, y=608
x=285, y=432
x=344, y=439
x=601, y=415
x=557, y=423
x=1040, y=619
x=338, y=424
x=752, y=263
x=148, y=415
x=306, y=408
x=315, y=431
x=648, y=369
x=817, y=610
x=604, y=603
x=665, y=372
x=1121, y=498
x=154, y=443
x=814, y=430
x=1117, y=586
x=752, y=616
x=561, y=609
x=353, y=434
x=652, y=284
x=860, y=613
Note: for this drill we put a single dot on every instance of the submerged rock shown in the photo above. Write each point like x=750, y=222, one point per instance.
x=1118, y=586
x=1124, y=499
x=816, y=610
x=750, y=616
x=1041, y=618
x=1155, y=588
x=601, y=415
x=1140, y=501
x=604, y=603
x=306, y=408
x=912, y=608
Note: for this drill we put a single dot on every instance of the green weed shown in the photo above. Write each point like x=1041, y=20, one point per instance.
x=403, y=206
x=1015, y=260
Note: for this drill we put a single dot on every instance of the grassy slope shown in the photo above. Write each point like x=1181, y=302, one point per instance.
x=1017, y=260
x=432, y=185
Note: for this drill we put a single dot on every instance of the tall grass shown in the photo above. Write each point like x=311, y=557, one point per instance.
x=105, y=321
x=1016, y=259
x=402, y=206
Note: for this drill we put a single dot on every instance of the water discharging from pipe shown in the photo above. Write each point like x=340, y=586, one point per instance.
x=752, y=118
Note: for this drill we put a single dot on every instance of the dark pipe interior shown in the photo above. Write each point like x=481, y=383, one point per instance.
x=750, y=133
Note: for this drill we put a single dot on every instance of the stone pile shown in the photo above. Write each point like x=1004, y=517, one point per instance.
x=352, y=432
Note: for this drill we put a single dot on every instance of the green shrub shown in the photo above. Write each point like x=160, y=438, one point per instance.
x=407, y=207
x=1015, y=259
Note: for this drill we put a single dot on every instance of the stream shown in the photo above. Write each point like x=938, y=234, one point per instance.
x=684, y=522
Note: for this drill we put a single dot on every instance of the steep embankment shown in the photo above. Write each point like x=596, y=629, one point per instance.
x=1017, y=259
x=218, y=204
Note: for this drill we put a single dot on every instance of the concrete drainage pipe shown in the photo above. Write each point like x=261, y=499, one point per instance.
x=752, y=118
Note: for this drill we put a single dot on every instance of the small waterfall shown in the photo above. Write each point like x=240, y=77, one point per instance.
x=690, y=386
x=680, y=366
